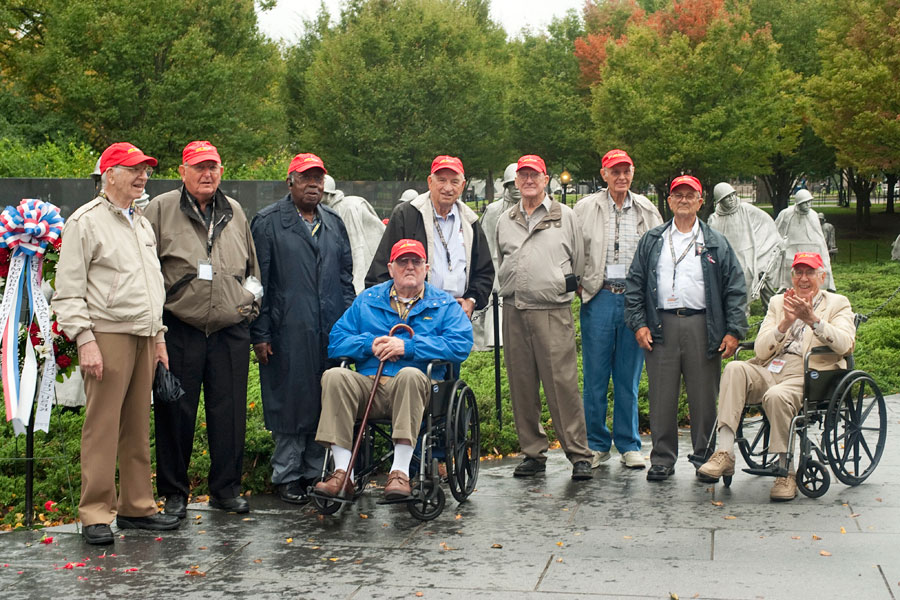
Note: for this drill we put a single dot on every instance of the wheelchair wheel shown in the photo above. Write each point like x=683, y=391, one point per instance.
x=428, y=504
x=813, y=479
x=855, y=428
x=463, y=442
x=326, y=507
x=752, y=438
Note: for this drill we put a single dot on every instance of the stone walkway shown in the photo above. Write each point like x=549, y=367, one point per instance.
x=617, y=536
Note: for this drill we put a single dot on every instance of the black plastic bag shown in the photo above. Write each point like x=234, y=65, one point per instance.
x=166, y=387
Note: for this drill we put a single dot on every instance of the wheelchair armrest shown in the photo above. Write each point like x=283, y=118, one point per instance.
x=437, y=363
x=346, y=361
x=821, y=350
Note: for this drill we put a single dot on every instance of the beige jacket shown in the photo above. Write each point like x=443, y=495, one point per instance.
x=837, y=332
x=182, y=240
x=593, y=214
x=108, y=276
x=533, y=266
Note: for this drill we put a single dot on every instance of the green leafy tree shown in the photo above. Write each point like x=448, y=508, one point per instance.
x=712, y=102
x=548, y=108
x=396, y=83
x=857, y=91
x=158, y=73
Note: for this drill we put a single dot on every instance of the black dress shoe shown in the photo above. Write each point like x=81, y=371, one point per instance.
x=530, y=466
x=659, y=472
x=581, y=470
x=292, y=492
x=176, y=504
x=157, y=522
x=99, y=535
x=238, y=504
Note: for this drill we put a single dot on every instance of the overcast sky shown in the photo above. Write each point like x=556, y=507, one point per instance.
x=285, y=21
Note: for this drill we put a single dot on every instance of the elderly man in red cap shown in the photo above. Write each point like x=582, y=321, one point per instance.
x=306, y=267
x=541, y=257
x=454, y=241
x=109, y=296
x=802, y=317
x=612, y=222
x=212, y=293
x=684, y=300
x=442, y=331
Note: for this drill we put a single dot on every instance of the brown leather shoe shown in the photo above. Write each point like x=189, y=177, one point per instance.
x=397, y=486
x=334, y=484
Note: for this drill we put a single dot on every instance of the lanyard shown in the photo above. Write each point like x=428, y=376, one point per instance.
x=683, y=254
x=441, y=235
x=212, y=226
x=616, y=241
x=404, y=306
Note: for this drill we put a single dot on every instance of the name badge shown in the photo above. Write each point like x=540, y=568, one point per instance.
x=776, y=365
x=204, y=270
x=619, y=271
x=672, y=302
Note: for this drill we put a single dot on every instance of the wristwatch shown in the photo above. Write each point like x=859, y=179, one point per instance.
x=817, y=327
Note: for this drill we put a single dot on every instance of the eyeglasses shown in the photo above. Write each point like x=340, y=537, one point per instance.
x=404, y=262
x=213, y=169
x=680, y=197
x=526, y=175
x=137, y=170
x=801, y=273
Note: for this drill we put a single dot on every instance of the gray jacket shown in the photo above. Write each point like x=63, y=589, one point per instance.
x=533, y=266
x=723, y=280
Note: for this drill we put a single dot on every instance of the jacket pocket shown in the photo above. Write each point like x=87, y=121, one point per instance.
x=113, y=288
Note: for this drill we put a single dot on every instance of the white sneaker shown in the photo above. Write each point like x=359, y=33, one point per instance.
x=633, y=460
x=598, y=457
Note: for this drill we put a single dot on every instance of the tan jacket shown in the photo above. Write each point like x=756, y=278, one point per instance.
x=837, y=332
x=593, y=214
x=533, y=266
x=181, y=239
x=108, y=277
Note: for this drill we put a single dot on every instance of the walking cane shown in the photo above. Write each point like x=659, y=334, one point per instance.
x=365, y=418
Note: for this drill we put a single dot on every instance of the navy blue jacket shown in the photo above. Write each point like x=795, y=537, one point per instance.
x=723, y=280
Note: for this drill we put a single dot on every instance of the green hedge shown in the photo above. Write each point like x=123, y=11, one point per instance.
x=878, y=352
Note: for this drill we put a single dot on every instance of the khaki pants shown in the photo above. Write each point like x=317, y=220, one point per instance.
x=117, y=424
x=780, y=394
x=540, y=350
x=344, y=395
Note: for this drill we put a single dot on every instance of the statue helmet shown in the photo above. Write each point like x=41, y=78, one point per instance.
x=509, y=175
x=722, y=190
x=329, y=184
x=802, y=196
x=97, y=169
x=408, y=195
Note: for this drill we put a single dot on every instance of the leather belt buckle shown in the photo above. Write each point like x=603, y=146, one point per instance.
x=616, y=287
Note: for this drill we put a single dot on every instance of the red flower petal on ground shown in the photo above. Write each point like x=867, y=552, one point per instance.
x=47, y=540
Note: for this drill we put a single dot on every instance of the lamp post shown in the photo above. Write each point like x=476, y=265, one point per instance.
x=564, y=179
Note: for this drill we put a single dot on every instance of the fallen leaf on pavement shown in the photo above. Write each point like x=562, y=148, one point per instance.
x=843, y=530
x=795, y=537
x=815, y=537
x=334, y=559
x=289, y=540
x=673, y=596
x=419, y=594
x=258, y=561
x=824, y=552
x=718, y=503
x=458, y=517
x=363, y=516
x=877, y=499
x=559, y=560
x=627, y=537
x=854, y=515
x=195, y=572
x=496, y=546
x=729, y=517
x=560, y=544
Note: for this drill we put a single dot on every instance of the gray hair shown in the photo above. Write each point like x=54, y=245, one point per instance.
x=103, y=181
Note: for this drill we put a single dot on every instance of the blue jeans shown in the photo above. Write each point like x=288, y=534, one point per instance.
x=608, y=346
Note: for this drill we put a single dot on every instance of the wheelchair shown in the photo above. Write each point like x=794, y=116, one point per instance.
x=450, y=421
x=842, y=422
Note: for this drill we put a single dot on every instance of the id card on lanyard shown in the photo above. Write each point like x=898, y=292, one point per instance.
x=204, y=265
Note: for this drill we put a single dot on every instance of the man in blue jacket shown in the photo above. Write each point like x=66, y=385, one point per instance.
x=684, y=299
x=441, y=331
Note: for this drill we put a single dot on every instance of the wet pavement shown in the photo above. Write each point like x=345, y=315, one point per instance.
x=617, y=536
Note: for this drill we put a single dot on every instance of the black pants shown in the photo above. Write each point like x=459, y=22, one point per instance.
x=219, y=364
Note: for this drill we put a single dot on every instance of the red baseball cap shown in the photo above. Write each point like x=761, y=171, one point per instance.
x=531, y=161
x=303, y=162
x=199, y=151
x=407, y=246
x=125, y=154
x=810, y=259
x=447, y=162
x=688, y=180
x=614, y=157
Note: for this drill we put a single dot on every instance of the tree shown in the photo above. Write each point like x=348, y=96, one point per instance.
x=857, y=91
x=396, y=83
x=158, y=73
x=547, y=108
x=714, y=105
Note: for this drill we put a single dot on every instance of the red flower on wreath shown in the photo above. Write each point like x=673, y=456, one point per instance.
x=4, y=268
x=63, y=361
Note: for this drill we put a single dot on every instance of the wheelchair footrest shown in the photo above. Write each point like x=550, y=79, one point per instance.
x=768, y=472
x=315, y=494
x=406, y=500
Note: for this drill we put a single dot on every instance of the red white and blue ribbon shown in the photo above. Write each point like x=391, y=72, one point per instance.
x=26, y=230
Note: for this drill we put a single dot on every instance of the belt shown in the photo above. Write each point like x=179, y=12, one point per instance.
x=685, y=312
x=616, y=287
